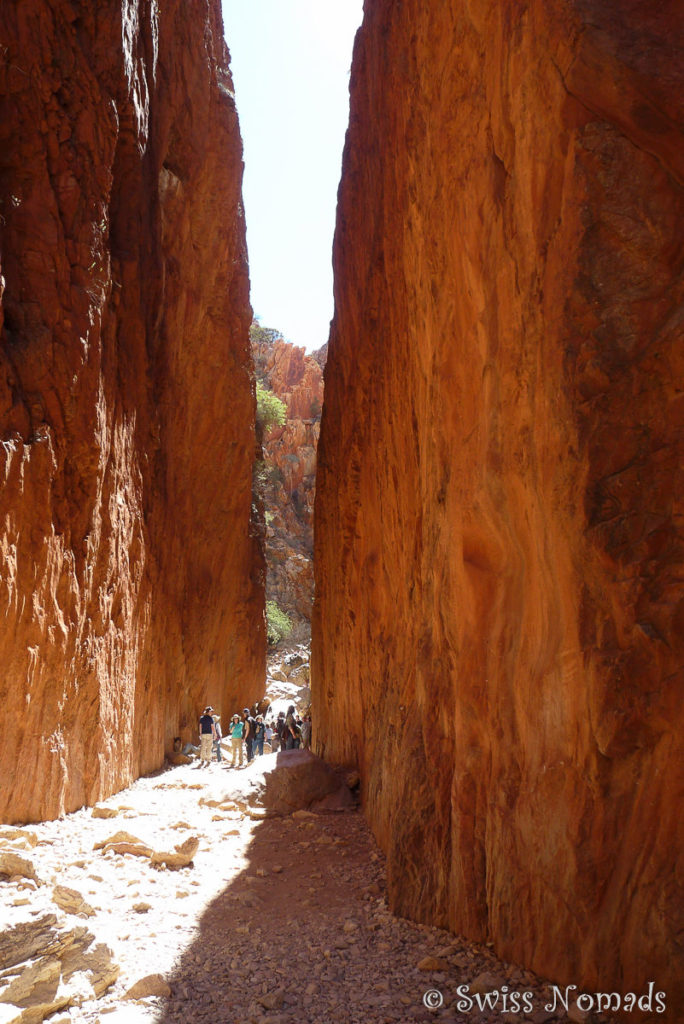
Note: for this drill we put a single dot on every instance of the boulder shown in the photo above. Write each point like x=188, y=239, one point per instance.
x=124, y=842
x=44, y=968
x=181, y=856
x=104, y=812
x=300, y=675
x=12, y=865
x=71, y=901
x=292, y=661
x=18, y=837
x=289, y=781
x=433, y=963
x=150, y=985
x=486, y=982
x=177, y=759
x=24, y=940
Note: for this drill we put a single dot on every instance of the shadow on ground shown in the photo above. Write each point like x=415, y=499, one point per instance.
x=296, y=935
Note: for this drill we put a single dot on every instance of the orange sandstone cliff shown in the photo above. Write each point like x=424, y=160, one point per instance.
x=499, y=555
x=296, y=378
x=131, y=579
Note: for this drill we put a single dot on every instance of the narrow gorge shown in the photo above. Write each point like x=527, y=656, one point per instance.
x=497, y=653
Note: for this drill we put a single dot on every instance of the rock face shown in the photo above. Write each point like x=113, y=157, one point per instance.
x=131, y=582
x=499, y=621
x=46, y=968
x=296, y=378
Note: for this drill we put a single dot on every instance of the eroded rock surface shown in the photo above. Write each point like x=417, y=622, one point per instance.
x=45, y=967
x=296, y=378
x=498, y=639
x=130, y=579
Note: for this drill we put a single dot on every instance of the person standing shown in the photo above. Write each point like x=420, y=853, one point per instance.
x=306, y=732
x=235, y=732
x=259, y=733
x=207, y=734
x=280, y=735
x=250, y=728
x=289, y=732
x=217, y=737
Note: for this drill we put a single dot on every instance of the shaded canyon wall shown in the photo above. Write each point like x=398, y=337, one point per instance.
x=499, y=616
x=131, y=580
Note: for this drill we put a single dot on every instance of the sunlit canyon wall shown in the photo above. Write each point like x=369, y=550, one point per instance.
x=499, y=556
x=131, y=580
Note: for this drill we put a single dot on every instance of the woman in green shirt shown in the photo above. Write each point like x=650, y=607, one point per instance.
x=235, y=733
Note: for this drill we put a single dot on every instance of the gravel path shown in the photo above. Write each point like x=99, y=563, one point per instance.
x=280, y=921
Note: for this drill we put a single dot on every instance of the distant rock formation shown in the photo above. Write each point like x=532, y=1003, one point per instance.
x=131, y=576
x=498, y=635
x=296, y=378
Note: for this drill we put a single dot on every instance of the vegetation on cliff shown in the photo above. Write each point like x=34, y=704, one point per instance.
x=270, y=411
x=278, y=623
x=289, y=388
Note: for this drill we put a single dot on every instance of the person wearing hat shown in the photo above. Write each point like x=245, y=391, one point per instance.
x=259, y=734
x=235, y=733
x=217, y=736
x=207, y=735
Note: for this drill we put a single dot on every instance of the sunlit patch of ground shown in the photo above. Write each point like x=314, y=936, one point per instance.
x=282, y=920
x=148, y=917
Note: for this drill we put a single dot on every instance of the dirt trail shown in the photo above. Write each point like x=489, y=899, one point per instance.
x=277, y=921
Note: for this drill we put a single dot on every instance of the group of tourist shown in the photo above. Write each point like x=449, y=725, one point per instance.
x=250, y=731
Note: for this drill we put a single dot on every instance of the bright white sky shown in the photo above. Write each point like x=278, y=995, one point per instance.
x=290, y=61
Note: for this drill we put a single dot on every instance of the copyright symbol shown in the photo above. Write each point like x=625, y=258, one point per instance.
x=433, y=999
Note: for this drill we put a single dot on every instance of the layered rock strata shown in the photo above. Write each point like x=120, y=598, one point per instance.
x=499, y=619
x=296, y=378
x=131, y=581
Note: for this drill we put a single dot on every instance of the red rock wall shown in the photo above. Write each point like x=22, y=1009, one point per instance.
x=131, y=583
x=296, y=378
x=498, y=628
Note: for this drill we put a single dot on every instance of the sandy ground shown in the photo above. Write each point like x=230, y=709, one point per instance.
x=276, y=921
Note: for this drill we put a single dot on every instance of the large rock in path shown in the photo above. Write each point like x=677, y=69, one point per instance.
x=289, y=781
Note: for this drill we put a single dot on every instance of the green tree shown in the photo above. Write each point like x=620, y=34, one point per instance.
x=271, y=412
x=259, y=335
x=278, y=624
x=262, y=340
